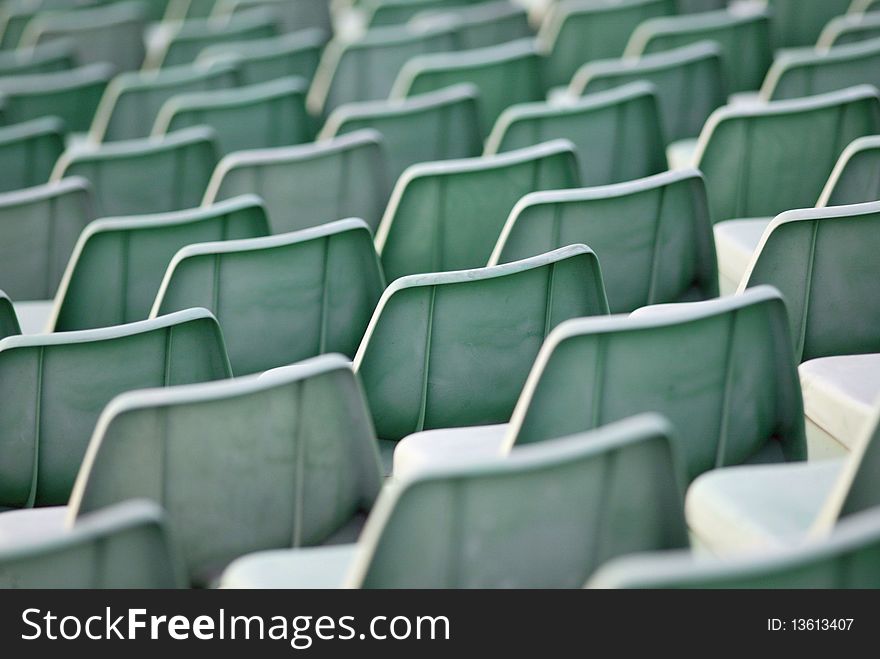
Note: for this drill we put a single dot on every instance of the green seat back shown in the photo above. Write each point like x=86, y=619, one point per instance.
x=722, y=371
x=856, y=176
x=48, y=58
x=8, y=319
x=618, y=134
x=799, y=22
x=28, y=152
x=284, y=298
x=38, y=229
x=434, y=126
x=118, y=263
x=756, y=161
x=311, y=184
x=453, y=349
x=848, y=29
x=179, y=10
x=397, y=12
x=278, y=461
x=55, y=386
x=296, y=15
x=448, y=215
x=482, y=24
x=16, y=14
x=696, y=6
x=652, y=236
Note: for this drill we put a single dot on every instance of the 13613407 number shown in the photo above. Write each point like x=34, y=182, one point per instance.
x=809, y=624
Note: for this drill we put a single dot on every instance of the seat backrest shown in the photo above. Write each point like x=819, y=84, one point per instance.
x=744, y=40
x=8, y=319
x=689, y=83
x=132, y=100
x=38, y=230
x=847, y=559
x=28, y=152
x=398, y=12
x=118, y=263
x=798, y=73
x=54, y=386
x=856, y=176
x=365, y=69
x=850, y=28
x=72, y=95
x=799, y=22
x=284, y=298
x=448, y=215
x=112, y=33
x=453, y=349
x=262, y=60
x=277, y=461
x=48, y=58
x=652, y=236
x=738, y=402
x=756, y=162
x=16, y=14
x=579, y=31
x=179, y=10
x=506, y=74
x=824, y=261
x=618, y=134
x=124, y=546
x=154, y=175
x=310, y=184
x=544, y=516
x=298, y=15
x=256, y=117
x=434, y=126
x=481, y=25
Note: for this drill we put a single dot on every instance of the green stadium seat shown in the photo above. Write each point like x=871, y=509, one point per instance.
x=799, y=22
x=8, y=319
x=397, y=12
x=179, y=10
x=848, y=29
x=48, y=58
x=482, y=24
x=16, y=14
x=856, y=176
x=28, y=152
x=296, y=15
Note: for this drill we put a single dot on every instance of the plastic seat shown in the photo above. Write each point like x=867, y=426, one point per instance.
x=434, y=126
x=448, y=215
x=38, y=228
x=847, y=559
x=187, y=39
x=506, y=74
x=72, y=96
x=284, y=298
x=481, y=25
x=397, y=12
x=848, y=29
x=129, y=107
x=28, y=152
x=298, y=441
x=55, y=386
x=118, y=263
x=757, y=164
x=575, y=32
x=262, y=60
x=310, y=184
x=48, y=58
x=856, y=176
x=799, y=73
x=688, y=80
x=365, y=69
x=122, y=546
x=799, y=22
x=8, y=319
x=145, y=176
x=16, y=14
x=652, y=236
x=291, y=16
x=618, y=134
x=256, y=117
x=453, y=349
x=744, y=40
x=540, y=517
x=179, y=10
x=112, y=33
x=696, y=6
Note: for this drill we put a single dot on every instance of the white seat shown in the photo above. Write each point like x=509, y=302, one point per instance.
x=735, y=243
x=839, y=395
x=309, y=567
x=33, y=316
x=447, y=445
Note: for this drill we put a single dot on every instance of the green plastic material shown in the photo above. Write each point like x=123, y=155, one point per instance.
x=303, y=294
x=8, y=319
x=856, y=176
x=72, y=96
x=618, y=133
x=16, y=14
x=756, y=161
x=435, y=126
x=851, y=28
x=135, y=177
x=739, y=402
x=696, y=6
x=184, y=9
x=38, y=230
x=448, y=215
x=579, y=31
x=118, y=263
x=481, y=25
x=505, y=74
x=689, y=82
x=292, y=15
x=49, y=414
x=453, y=349
x=799, y=22
x=123, y=546
x=298, y=441
x=48, y=58
x=28, y=152
x=653, y=236
x=310, y=184
x=256, y=117
x=824, y=261
x=744, y=39
x=397, y=12
x=129, y=107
